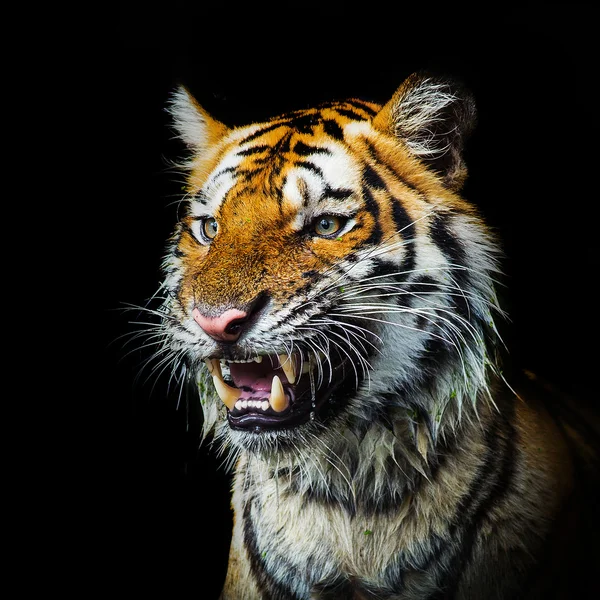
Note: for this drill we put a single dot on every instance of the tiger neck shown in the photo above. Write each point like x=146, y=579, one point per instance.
x=368, y=467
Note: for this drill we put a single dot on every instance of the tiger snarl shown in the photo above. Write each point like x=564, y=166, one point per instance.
x=333, y=298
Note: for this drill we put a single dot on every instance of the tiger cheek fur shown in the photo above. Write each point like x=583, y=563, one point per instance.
x=333, y=297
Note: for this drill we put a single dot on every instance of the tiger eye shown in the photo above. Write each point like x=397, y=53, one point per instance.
x=210, y=228
x=328, y=225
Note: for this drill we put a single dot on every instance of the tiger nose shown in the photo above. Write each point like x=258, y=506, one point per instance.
x=226, y=327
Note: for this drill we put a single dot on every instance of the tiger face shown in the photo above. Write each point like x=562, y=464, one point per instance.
x=327, y=274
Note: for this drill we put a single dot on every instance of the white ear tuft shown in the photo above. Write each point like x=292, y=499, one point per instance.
x=195, y=127
x=420, y=113
x=187, y=118
x=432, y=116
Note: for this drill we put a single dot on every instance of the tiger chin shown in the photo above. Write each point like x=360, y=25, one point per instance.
x=332, y=296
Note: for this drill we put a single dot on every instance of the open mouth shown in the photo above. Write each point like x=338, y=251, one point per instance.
x=273, y=391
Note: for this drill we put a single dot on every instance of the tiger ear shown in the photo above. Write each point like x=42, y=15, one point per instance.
x=433, y=117
x=195, y=127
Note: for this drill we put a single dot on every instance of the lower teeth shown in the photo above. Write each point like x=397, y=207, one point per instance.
x=259, y=404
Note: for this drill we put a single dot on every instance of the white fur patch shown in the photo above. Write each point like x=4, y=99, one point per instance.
x=340, y=172
x=219, y=182
x=339, y=169
x=188, y=120
x=358, y=128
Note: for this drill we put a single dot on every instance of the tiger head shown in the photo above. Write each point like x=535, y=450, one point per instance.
x=326, y=273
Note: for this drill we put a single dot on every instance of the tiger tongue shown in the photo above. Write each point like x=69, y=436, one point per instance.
x=254, y=376
x=259, y=383
x=259, y=380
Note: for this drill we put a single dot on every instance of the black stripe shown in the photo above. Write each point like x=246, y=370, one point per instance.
x=406, y=228
x=339, y=194
x=403, y=223
x=246, y=174
x=201, y=197
x=303, y=149
x=385, y=267
x=372, y=178
x=283, y=145
x=305, y=123
x=323, y=496
x=256, y=562
x=261, y=131
x=224, y=171
x=489, y=489
x=269, y=588
x=334, y=589
x=445, y=240
x=310, y=166
x=423, y=284
x=185, y=228
x=388, y=498
x=481, y=487
x=254, y=150
x=454, y=252
x=363, y=106
x=373, y=208
x=304, y=192
x=436, y=354
x=440, y=558
x=332, y=128
x=496, y=492
x=374, y=154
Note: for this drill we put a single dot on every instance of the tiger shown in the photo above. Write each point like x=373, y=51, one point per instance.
x=332, y=297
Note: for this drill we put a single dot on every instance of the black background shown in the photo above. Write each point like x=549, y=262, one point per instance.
x=533, y=171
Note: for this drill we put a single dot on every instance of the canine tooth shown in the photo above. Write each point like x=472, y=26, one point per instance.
x=214, y=366
x=277, y=399
x=265, y=404
x=227, y=394
x=287, y=364
x=305, y=368
x=258, y=359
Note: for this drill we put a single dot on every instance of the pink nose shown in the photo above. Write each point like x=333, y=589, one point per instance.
x=226, y=327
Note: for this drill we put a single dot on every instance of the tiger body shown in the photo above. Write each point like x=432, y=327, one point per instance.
x=332, y=295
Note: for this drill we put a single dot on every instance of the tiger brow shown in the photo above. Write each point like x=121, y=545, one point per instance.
x=201, y=197
x=328, y=193
x=336, y=194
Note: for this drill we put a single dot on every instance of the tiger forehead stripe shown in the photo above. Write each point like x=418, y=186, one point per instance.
x=323, y=166
x=307, y=150
x=324, y=176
